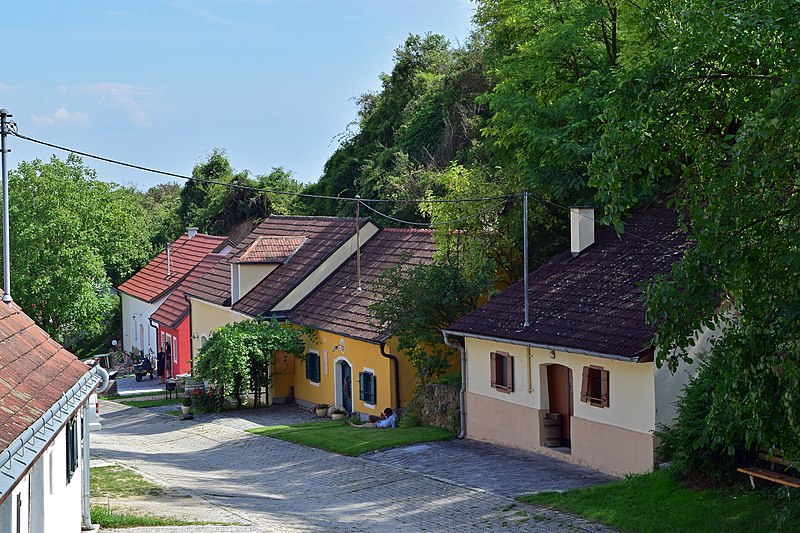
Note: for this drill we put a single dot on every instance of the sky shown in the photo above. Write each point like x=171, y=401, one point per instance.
x=161, y=83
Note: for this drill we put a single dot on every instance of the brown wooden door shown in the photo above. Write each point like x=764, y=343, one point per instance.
x=559, y=387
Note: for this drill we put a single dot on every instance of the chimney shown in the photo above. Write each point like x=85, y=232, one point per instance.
x=581, y=228
x=191, y=232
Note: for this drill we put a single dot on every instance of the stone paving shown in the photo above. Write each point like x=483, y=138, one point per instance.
x=271, y=485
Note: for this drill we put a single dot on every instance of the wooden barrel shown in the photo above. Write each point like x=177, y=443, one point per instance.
x=552, y=430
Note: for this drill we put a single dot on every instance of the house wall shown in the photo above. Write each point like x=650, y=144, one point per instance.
x=616, y=439
x=182, y=356
x=339, y=256
x=361, y=356
x=49, y=504
x=251, y=275
x=205, y=318
x=136, y=313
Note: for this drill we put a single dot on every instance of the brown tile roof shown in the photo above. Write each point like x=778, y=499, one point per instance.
x=337, y=306
x=270, y=249
x=152, y=281
x=35, y=371
x=175, y=307
x=590, y=303
x=323, y=235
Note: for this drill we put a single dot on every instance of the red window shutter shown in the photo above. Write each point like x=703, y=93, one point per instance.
x=585, y=385
x=509, y=373
x=604, y=388
x=494, y=369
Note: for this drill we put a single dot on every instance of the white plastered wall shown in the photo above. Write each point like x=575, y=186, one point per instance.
x=135, y=321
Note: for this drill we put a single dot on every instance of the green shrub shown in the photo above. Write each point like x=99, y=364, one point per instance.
x=411, y=417
x=453, y=380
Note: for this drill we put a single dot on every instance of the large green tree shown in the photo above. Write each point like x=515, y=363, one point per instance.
x=72, y=238
x=714, y=117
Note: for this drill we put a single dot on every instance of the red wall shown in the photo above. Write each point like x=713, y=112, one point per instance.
x=184, y=346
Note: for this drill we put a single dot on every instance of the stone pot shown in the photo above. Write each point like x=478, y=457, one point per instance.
x=322, y=413
x=186, y=409
x=338, y=416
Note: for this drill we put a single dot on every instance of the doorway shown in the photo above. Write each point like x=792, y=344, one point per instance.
x=559, y=390
x=345, y=388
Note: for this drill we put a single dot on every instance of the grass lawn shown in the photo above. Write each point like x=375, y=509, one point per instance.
x=336, y=436
x=151, y=402
x=107, y=517
x=657, y=503
x=118, y=482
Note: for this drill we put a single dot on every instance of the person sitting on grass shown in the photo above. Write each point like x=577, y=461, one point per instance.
x=387, y=420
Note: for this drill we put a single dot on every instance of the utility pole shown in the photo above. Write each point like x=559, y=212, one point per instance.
x=525, y=253
x=358, y=242
x=6, y=127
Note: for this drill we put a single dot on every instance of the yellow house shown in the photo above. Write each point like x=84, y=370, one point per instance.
x=306, y=270
x=576, y=379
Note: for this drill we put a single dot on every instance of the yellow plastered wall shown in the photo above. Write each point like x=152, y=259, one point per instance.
x=251, y=275
x=361, y=356
x=206, y=317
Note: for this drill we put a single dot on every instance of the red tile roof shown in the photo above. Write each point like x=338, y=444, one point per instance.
x=35, y=371
x=592, y=302
x=337, y=306
x=175, y=308
x=270, y=249
x=323, y=235
x=153, y=280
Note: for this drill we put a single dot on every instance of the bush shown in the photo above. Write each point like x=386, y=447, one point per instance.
x=412, y=416
x=691, y=444
x=187, y=402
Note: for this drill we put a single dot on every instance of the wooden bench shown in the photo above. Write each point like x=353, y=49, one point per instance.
x=773, y=459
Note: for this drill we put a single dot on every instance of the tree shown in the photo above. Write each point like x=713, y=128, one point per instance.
x=240, y=354
x=416, y=303
x=73, y=237
x=714, y=117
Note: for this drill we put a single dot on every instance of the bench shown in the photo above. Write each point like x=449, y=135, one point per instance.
x=773, y=458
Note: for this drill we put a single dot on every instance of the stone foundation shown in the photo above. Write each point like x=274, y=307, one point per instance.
x=439, y=406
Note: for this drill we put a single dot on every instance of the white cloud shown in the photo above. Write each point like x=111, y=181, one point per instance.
x=61, y=115
x=124, y=96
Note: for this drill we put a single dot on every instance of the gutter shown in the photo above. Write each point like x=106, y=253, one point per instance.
x=633, y=359
x=461, y=395
x=396, y=365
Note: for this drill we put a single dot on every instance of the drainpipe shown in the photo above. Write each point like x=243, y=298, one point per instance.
x=85, y=497
x=462, y=392
x=396, y=365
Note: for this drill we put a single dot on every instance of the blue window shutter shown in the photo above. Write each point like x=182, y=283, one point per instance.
x=362, y=386
x=374, y=389
x=309, y=366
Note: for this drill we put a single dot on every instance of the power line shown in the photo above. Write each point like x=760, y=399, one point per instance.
x=248, y=187
x=443, y=222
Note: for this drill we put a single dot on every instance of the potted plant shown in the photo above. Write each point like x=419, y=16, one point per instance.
x=321, y=410
x=338, y=413
x=186, y=407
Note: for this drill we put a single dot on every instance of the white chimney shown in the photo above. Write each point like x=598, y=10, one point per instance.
x=581, y=227
x=191, y=231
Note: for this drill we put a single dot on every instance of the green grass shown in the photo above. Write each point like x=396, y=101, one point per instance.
x=151, y=402
x=657, y=503
x=118, y=482
x=338, y=437
x=107, y=517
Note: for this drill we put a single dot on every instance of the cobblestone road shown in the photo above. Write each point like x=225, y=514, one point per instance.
x=270, y=485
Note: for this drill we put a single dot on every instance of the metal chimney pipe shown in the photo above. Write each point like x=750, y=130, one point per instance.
x=169, y=261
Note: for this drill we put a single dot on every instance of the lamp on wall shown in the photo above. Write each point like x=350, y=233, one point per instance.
x=552, y=354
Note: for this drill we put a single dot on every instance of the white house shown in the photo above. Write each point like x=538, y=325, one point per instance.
x=44, y=430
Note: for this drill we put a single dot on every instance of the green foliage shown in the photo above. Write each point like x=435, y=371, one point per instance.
x=239, y=354
x=693, y=445
x=412, y=415
x=416, y=303
x=73, y=237
x=714, y=116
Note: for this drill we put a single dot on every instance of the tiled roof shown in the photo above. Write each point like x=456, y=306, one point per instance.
x=337, y=306
x=35, y=371
x=593, y=302
x=323, y=235
x=175, y=307
x=153, y=280
x=270, y=249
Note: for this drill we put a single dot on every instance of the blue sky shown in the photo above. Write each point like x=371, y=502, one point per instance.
x=162, y=83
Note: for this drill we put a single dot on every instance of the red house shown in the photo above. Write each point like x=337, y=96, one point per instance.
x=171, y=320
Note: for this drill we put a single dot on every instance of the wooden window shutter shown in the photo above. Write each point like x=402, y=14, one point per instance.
x=585, y=384
x=373, y=389
x=604, y=388
x=494, y=369
x=509, y=373
x=361, y=386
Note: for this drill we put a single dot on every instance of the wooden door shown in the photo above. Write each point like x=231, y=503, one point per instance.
x=559, y=387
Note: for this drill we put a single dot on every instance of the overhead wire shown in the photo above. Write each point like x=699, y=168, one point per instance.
x=443, y=222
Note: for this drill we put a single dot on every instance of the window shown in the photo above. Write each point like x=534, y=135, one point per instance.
x=594, y=386
x=312, y=367
x=175, y=350
x=366, y=388
x=72, y=448
x=502, y=372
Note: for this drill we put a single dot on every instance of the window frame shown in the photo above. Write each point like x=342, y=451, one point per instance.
x=502, y=371
x=72, y=447
x=595, y=386
x=368, y=394
x=313, y=370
